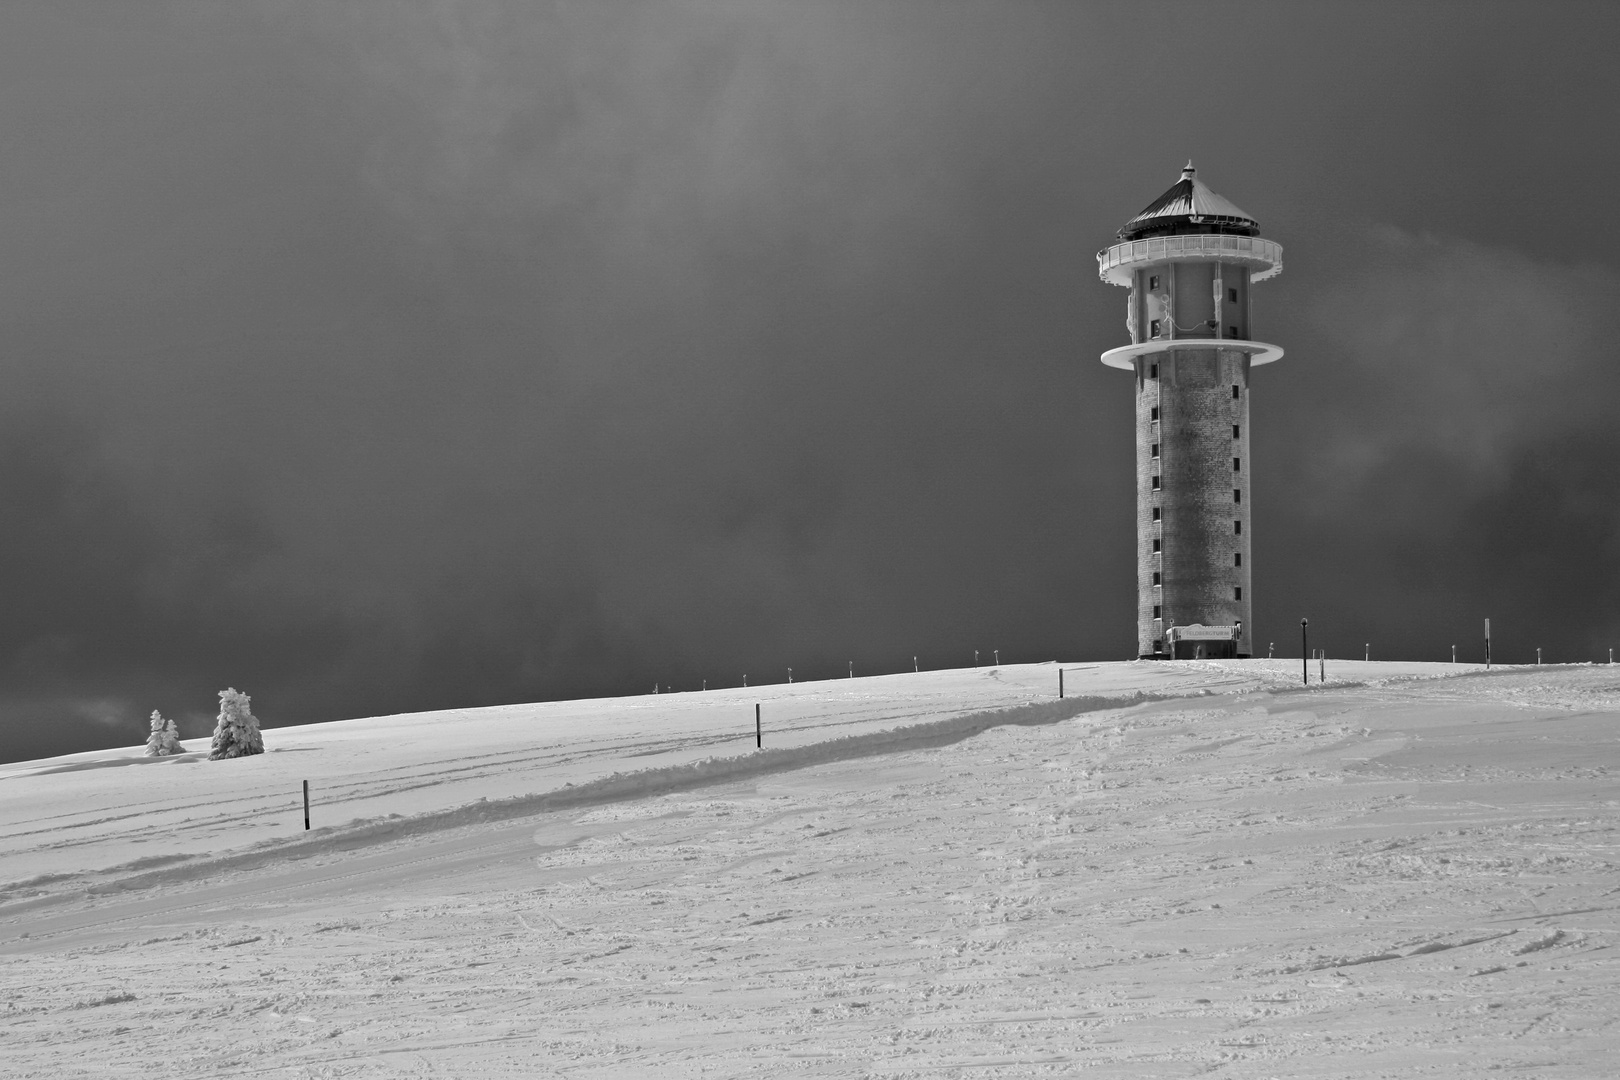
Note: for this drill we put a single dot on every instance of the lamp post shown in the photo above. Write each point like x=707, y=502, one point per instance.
x=1305, y=650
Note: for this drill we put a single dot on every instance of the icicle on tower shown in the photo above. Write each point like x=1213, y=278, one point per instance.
x=1188, y=260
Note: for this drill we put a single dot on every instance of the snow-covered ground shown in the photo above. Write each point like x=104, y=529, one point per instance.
x=1399, y=873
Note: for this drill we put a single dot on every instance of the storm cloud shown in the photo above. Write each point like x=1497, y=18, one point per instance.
x=383, y=357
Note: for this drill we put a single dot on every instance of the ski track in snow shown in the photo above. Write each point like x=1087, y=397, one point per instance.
x=1393, y=875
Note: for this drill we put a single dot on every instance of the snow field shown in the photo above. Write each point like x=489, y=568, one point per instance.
x=1412, y=878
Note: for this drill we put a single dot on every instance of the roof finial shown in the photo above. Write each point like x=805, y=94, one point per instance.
x=1188, y=171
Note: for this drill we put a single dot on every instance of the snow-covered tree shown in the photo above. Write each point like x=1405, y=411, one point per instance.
x=165, y=737
x=237, y=732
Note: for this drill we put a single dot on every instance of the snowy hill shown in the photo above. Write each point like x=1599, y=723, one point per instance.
x=1189, y=868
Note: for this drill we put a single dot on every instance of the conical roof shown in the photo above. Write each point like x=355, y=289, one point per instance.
x=1189, y=199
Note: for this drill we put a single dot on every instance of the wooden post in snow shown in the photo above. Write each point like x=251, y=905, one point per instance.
x=1305, y=650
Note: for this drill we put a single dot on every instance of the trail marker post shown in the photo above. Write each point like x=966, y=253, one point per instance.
x=975, y=657
x=1321, y=659
x=1368, y=657
x=1538, y=656
x=852, y=669
x=1305, y=650
x=1060, y=682
x=790, y=676
x=1454, y=654
x=1487, y=644
x=914, y=666
x=997, y=654
x=759, y=734
x=306, y=806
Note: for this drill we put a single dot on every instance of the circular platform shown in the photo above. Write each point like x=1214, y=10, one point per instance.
x=1262, y=257
x=1125, y=356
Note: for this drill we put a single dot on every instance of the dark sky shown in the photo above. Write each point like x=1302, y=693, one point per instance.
x=378, y=357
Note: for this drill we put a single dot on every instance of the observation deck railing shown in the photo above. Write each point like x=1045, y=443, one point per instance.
x=1264, y=256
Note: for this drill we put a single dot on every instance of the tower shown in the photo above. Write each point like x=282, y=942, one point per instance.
x=1188, y=260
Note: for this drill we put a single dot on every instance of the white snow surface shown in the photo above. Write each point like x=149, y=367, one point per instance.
x=1183, y=869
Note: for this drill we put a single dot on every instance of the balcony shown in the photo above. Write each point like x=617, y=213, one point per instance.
x=1126, y=356
x=1263, y=257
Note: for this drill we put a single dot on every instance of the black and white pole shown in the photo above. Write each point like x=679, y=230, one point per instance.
x=759, y=733
x=1487, y=644
x=790, y=676
x=997, y=654
x=1454, y=654
x=306, y=806
x=975, y=657
x=1368, y=657
x=914, y=666
x=1538, y=656
x=1305, y=650
x=852, y=669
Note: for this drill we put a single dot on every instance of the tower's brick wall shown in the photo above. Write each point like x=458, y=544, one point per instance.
x=1193, y=392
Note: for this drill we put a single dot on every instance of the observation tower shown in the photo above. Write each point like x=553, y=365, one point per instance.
x=1189, y=260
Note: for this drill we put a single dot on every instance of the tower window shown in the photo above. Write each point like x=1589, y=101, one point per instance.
x=1158, y=645
x=1158, y=578
x=1237, y=464
x=1156, y=543
x=1237, y=593
x=1155, y=483
x=1237, y=528
x=1155, y=452
x=1234, y=392
x=1154, y=415
x=1237, y=558
x=1156, y=614
x=1153, y=328
x=1153, y=371
x=1237, y=495
x=1237, y=431
x=1153, y=281
x=1231, y=294
x=1231, y=332
x=1155, y=513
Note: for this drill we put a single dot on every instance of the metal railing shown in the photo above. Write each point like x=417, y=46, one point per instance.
x=1250, y=249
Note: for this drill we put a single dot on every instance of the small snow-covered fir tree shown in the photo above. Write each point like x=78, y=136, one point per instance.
x=237, y=732
x=165, y=737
